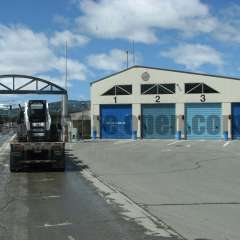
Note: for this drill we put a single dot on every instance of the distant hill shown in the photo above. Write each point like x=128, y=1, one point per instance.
x=54, y=107
x=7, y=112
x=73, y=106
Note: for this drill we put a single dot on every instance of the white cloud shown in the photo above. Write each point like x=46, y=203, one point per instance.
x=76, y=70
x=23, y=51
x=73, y=40
x=115, y=60
x=26, y=52
x=193, y=56
x=227, y=33
x=60, y=81
x=228, y=27
x=138, y=19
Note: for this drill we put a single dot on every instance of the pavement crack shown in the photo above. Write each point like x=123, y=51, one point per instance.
x=150, y=173
x=5, y=230
x=198, y=165
x=2, y=209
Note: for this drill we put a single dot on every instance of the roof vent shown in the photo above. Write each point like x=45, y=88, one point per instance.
x=145, y=76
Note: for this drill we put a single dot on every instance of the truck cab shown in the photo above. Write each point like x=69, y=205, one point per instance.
x=38, y=120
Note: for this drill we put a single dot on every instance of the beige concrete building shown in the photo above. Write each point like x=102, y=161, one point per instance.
x=165, y=104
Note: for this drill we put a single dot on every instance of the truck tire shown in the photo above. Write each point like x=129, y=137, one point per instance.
x=61, y=169
x=13, y=167
x=61, y=165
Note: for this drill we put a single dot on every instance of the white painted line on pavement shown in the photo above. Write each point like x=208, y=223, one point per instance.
x=226, y=144
x=5, y=145
x=51, y=196
x=45, y=180
x=172, y=143
x=47, y=225
x=71, y=238
x=122, y=141
x=13, y=137
x=130, y=210
x=166, y=150
x=3, y=149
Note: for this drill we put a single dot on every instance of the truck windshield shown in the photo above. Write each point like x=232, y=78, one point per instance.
x=37, y=112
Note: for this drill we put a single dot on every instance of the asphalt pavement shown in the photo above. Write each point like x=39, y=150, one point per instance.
x=39, y=205
x=192, y=186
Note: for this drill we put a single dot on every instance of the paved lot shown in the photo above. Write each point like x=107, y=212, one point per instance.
x=47, y=205
x=193, y=186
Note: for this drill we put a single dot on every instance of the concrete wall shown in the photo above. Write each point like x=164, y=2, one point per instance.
x=228, y=92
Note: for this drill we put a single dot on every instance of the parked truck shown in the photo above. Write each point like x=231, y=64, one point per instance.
x=38, y=140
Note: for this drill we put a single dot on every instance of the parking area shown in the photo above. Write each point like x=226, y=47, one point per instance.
x=193, y=186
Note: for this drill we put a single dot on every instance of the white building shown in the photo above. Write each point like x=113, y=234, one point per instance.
x=161, y=103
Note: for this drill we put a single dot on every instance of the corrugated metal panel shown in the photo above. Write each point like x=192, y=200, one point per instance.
x=236, y=120
x=158, y=121
x=116, y=121
x=203, y=121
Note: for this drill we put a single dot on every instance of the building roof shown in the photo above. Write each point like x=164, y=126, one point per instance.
x=164, y=69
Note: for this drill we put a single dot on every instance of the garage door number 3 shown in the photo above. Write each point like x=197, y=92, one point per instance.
x=203, y=98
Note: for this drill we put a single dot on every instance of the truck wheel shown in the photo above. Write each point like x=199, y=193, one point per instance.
x=12, y=164
x=61, y=166
x=61, y=169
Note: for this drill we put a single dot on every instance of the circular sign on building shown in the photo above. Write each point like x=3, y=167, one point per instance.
x=145, y=76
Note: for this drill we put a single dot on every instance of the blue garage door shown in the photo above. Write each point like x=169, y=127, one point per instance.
x=116, y=121
x=203, y=120
x=158, y=121
x=236, y=120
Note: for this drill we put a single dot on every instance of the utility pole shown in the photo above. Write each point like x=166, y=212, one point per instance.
x=65, y=99
x=82, y=126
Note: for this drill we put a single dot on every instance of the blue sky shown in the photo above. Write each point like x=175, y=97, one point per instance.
x=191, y=35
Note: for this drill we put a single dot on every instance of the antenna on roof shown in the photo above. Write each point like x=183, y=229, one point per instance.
x=66, y=64
x=127, y=58
x=133, y=52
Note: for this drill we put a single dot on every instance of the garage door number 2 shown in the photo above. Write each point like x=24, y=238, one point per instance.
x=157, y=99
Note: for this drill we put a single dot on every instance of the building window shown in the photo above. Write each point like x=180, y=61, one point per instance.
x=158, y=88
x=119, y=90
x=198, y=88
x=149, y=89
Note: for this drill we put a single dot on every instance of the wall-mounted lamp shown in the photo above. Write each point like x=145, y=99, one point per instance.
x=229, y=117
x=98, y=118
x=182, y=117
x=139, y=117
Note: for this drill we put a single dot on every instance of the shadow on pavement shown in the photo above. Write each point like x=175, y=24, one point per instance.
x=72, y=164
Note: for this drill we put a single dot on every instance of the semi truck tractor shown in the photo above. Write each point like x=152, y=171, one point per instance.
x=38, y=140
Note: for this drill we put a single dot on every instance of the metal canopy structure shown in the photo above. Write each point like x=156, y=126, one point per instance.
x=28, y=85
